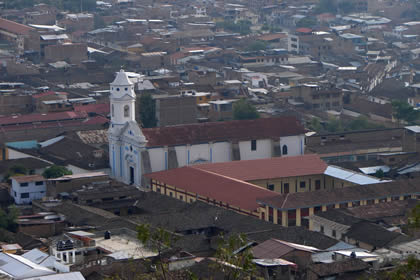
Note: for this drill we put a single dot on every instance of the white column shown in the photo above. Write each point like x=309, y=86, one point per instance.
x=74, y=256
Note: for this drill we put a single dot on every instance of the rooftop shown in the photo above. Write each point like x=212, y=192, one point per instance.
x=223, y=131
x=14, y=27
x=29, y=178
x=271, y=168
x=213, y=186
x=344, y=195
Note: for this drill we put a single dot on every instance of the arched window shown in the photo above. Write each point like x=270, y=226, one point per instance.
x=126, y=111
x=112, y=110
x=284, y=150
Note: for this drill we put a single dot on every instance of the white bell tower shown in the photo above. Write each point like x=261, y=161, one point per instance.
x=126, y=140
x=122, y=100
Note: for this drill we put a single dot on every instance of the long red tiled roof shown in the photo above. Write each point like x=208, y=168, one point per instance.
x=38, y=117
x=234, y=192
x=101, y=108
x=223, y=131
x=14, y=27
x=271, y=168
x=94, y=121
x=47, y=93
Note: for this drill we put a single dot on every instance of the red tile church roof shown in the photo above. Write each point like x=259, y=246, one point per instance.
x=271, y=168
x=220, y=188
x=223, y=131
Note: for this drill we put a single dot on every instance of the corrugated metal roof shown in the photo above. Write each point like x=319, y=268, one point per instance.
x=374, y=169
x=351, y=176
x=20, y=268
x=62, y=276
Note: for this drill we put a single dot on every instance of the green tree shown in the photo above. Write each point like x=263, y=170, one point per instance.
x=402, y=111
x=243, y=110
x=16, y=170
x=308, y=22
x=257, y=46
x=379, y=173
x=147, y=110
x=159, y=240
x=315, y=125
x=56, y=171
x=334, y=125
x=236, y=264
x=346, y=7
x=326, y=6
x=243, y=26
x=8, y=218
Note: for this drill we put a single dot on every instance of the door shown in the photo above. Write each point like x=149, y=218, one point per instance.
x=131, y=175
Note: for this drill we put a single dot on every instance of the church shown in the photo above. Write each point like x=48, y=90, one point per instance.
x=135, y=151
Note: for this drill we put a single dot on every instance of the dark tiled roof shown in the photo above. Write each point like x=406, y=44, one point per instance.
x=223, y=131
x=178, y=216
x=271, y=168
x=206, y=184
x=339, y=216
x=29, y=163
x=347, y=265
x=69, y=151
x=375, y=235
x=397, y=208
x=348, y=194
x=271, y=249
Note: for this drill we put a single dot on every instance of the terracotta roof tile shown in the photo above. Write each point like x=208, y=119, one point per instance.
x=223, y=131
x=29, y=178
x=234, y=192
x=101, y=108
x=270, y=168
x=38, y=117
x=14, y=27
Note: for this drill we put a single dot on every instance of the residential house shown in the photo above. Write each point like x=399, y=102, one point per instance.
x=25, y=189
x=23, y=37
x=318, y=96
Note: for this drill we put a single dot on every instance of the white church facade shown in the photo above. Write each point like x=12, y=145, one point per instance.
x=134, y=151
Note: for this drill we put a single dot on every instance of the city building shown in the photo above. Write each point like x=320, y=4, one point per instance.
x=27, y=188
x=134, y=151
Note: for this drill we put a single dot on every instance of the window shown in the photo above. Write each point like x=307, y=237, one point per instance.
x=253, y=145
x=181, y=197
x=270, y=187
x=191, y=200
x=334, y=233
x=24, y=195
x=23, y=184
x=322, y=229
x=302, y=184
x=286, y=188
x=39, y=183
x=317, y=184
x=126, y=111
x=284, y=150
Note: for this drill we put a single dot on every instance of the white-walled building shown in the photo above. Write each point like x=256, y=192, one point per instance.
x=27, y=188
x=134, y=151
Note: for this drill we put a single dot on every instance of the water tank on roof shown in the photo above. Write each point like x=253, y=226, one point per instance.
x=107, y=235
